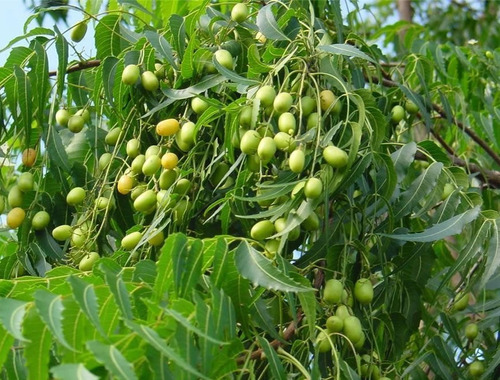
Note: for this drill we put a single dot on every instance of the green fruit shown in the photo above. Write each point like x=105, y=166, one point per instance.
x=219, y=173
x=476, y=368
x=313, y=120
x=327, y=99
x=352, y=328
x=182, y=186
x=297, y=188
x=311, y=223
x=167, y=178
x=397, y=114
x=250, y=142
x=272, y=246
x=102, y=203
x=180, y=210
x=282, y=102
x=287, y=123
x=112, y=136
x=130, y=75
x=266, y=95
x=447, y=190
x=104, y=161
x=342, y=312
x=153, y=150
x=363, y=291
x=2, y=205
x=131, y=240
x=62, y=232
x=145, y=201
x=461, y=302
x=87, y=262
x=84, y=113
x=307, y=105
x=199, y=105
x=187, y=133
x=149, y=81
x=15, y=197
x=224, y=58
x=157, y=238
x=323, y=343
x=471, y=331
x=78, y=237
x=246, y=117
x=262, y=230
x=332, y=293
x=78, y=31
x=40, y=220
x=138, y=163
x=253, y=163
x=62, y=117
x=283, y=141
x=76, y=123
x=133, y=148
x=489, y=54
x=411, y=107
x=266, y=149
x=15, y=217
x=280, y=224
x=239, y=13
x=159, y=71
x=369, y=370
x=336, y=157
x=297, y=161
x=25, y=182
x=151, y=165
x=334, y=324
x=313, y=188
x=138, y=190
x=76, y=196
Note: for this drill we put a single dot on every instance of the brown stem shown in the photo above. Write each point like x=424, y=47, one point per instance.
x=79, y=66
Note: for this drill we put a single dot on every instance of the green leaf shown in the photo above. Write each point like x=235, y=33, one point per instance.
x=50, y=307
x=113, y=360
x=233, y=76
x=62, y=53
x=178, y=33
x=72, y=371
x=268, y=26
x=187, y=69
x=6, y=342
x=255, y=267
x=452, y=226
x=108, y=40
x=37, y=350
x=39, y=77
x=11, y=316
x=118, y=289
x=254, y=62
x=25, y=101
x=109, y=66
x=308, y=303
x=403, y=158
x=189, y=267
x=39, y=31
x=493, y=253
x=152, y=337
x=162, y=46
x=56, y=151
x=347, y=50
x=274, y=362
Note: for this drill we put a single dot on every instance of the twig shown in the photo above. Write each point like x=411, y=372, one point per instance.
x=79, y=66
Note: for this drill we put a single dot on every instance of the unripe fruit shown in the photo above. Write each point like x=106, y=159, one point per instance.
x=199, y=105
x=311, y=223
x=476, y=368
x=342, y=312
x=266, y=95
x=169, y=160
x=182, y=186
x=411, y=107
x=461, y=302
x=250, y=142
x=75, y=196
x=280, y=225
x=104, y=161
x=307, y=105
x=323, y=343
x=87, y=262
x=83, y=113
x=328, y=99
x=138, y=163
x=29, y=157
x=130, y=75
x=297, y=161
x=62, y=232
x=138, y=190
x=363, y=291
x=224, y=58
x=489, y=54
x=167, y=127
x=239, y=13
x=471, y=331
x=2, y=205
x=78, y=31
x=15, y=217
x=266, y=149
x=78, y=237
x=157, y=238
x=447, y=190
x=25, y=182
x=297, y=188
x=253, y=163
x=159, y=71
x=313, y=188
x=397, y=114
x=112, y=136
x=151, y=165
x=334, y=324
x=262, y=230
x=245, y=118
x=369, y=370
x=62, y=117
x=333, y=291
x=282, y=102
x=145, y=201
x=133, y=148
x=180, y=210
x=313, y=121
x=283, y=141
x=76, y=123
x=131, y=240
x=153, y=150
x=352, y=328
x=102, y=203
x=336, y=157
x=167, y=179
x=287, y=123
x=219, y=173
x=149, y=81
x=186, y=133
x=15, y=197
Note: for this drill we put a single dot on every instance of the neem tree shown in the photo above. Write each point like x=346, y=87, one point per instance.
x=248, y=191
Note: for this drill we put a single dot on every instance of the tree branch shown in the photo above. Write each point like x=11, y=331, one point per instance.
x=79, y=66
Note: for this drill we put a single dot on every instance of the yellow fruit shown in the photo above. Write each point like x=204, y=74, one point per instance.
x=29, y=157
x=15, y=217
x=157, y=238
x=125, y=184
x=169, y=160
x=167, y=127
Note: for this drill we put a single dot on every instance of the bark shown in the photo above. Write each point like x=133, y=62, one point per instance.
x=405, y=14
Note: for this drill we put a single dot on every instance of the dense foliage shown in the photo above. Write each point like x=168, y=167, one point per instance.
x=248, y=190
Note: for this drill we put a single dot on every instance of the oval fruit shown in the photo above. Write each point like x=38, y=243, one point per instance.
x=287, y=123
x=62, y=232
x=266, y=149
x=112, y=136
x=15, y=197
x=282, y=102
x=150, y=81
x=363, y=291
x=476, y=368
x=180, y=210
x=219, y=173
x=352, y=328
x=307, y=105
x=87, y=262
x=125, y=184
x=397, y=114
x=461, y=302
x=262, y=230
x=311, y=223
x=250, y=142
x=130, y=74
x=25, y=182
x=62, y=117
x=153, y=150
x=411, y=107
x=336, y=157
x=313, y=188
x=447, y=190
x=76, y=123
x=78, y=237
x=157, y=238
x=333, y=291
x=167, y=179
x=327, y=99
x=266, y=95
x=342, y=312
x=138, y=190
x=323, y=343
x=187, y=133
x=15, y=217
x=283, y=141
x=29, y=157
x=145, y=201
x=245, y=118
x=334, y=324
x=159, y=71
x=167, y=127
x=297, y=188
x=78, y=31
x=471, y=331
x=104, y=161
x=169, y=160
x=239, y=13
x=182, y=186
x=102, y=203
x=224, y=58
x=84, y=113
x=297, y=161
x=151, y=165
x=313, y=120
x=133, y=148
x=199, y=105
x=137, y=164
x=76, y=196
x=131, y=240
